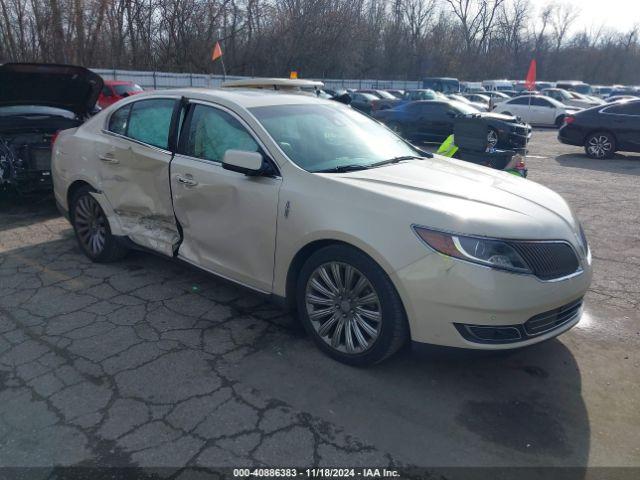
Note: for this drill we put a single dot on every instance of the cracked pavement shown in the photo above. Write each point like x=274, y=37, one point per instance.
x=150, y=363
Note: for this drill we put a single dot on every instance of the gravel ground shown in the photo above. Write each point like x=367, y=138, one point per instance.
x=149, y=363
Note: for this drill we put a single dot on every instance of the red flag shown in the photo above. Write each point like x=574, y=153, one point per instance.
x=217, y=52
x=530, y=81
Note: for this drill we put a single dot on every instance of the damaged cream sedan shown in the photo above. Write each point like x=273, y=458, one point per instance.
x=372, y=242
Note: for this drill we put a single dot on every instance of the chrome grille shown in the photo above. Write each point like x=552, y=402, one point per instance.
x=552, y=319
x=548, y=260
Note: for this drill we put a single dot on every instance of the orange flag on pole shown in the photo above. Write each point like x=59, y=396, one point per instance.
x=530, y=81
x=217, y=52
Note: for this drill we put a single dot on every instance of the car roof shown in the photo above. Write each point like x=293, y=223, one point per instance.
x=244, y=97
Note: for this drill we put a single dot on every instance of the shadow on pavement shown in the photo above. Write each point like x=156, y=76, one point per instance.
x=623, y=164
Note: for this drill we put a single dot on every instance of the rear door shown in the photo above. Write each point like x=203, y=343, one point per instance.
x=134, y=158
x=543, y=110
x=624, y=120
x=228, y=219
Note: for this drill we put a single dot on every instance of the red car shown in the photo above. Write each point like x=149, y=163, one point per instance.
x=115, y=90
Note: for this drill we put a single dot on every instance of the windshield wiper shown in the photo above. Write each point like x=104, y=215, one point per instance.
x=395, y=160
x=343, y=168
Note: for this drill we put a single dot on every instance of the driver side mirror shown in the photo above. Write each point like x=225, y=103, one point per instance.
x=241, y=161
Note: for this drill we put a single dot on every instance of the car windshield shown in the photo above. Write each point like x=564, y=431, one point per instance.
x=386, y=95
x=129, y=88
x=325, y=137
x=369, y=96
x=30, y=110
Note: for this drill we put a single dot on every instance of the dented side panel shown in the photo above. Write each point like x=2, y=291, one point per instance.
x=135, y=180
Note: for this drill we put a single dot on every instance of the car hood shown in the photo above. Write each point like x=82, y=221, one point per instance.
x=64, y=86
x=499, y=116
x=459, y=196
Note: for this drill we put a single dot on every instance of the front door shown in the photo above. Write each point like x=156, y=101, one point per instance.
x=228, y=218
x=134, y=161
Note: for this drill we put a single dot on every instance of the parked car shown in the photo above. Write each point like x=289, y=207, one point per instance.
x=574, y=86
x=481, y=107
x=472, y=87
x=605, y=129
x=114, y=90
x=363, y=101
x=617, y=98
x=441, y=84
x=385, y=99
x=536, y=109
x=601, y=91
x=481, y=98
x=497, y=85
x=395, y=92
x=421, y=94
x=330, y=213
x=433, y=121
x=36, y=102
x=572, y=99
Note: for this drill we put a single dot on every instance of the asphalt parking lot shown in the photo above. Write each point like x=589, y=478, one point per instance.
x=149, y=363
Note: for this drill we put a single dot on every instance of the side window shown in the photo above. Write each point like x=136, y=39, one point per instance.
x=118, y=120
x=150, y=121
x=106, y=91
x=211, y=132
x=519, y=101
x=624, y=109
x=541, y=102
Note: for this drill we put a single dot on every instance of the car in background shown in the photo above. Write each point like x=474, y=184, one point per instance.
x=621, y=90
x=495, y=98
x=481, y=98
x=472, y=87
x=433, y=121
x=497, y=85
x=385, y=99
x=605, y=129
x=572, y=99
x=36, y=102
x=363, y=102
x=371, y=242
x=441, y=84
x=618, y=98
x=395, y=92
x=536, y=110
x=542, y=84
x=601, y=91
x=459, y=98
x=421, y=94
x=575, y=86
x=114, y=90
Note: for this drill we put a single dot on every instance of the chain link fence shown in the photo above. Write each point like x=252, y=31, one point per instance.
x=161, y=80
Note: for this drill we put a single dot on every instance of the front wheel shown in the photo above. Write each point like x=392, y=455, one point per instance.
x=349, y=306
x=492, y=138
x=92, y=229
x=600, y=145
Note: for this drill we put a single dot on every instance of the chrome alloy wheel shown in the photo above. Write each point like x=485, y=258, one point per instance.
x=599, y=146
x=91, y=224
x=343, y=307
x=492, y=138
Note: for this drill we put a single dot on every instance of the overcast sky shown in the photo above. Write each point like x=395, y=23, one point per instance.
x=615, y=14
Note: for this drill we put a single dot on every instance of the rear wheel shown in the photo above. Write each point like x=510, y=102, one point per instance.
x=600, y=145
x=92, y=229
x=349, y=306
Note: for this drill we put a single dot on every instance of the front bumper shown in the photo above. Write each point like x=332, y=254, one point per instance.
x=441, y=295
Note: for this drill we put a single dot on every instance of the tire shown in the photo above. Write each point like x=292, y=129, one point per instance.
x=356, y=334
x=559, y=121
x=92, y=230
x=492, y=137
x=600, y=145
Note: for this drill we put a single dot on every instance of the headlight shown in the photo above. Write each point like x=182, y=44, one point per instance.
x=485, y=251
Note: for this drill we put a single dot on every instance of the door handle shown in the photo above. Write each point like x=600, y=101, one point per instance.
x=108, y=158
x=189, y=182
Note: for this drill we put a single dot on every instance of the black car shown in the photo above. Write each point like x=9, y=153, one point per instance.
x=363, y=101
x=604, y=129
x=433, y=121
x=36, y=102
